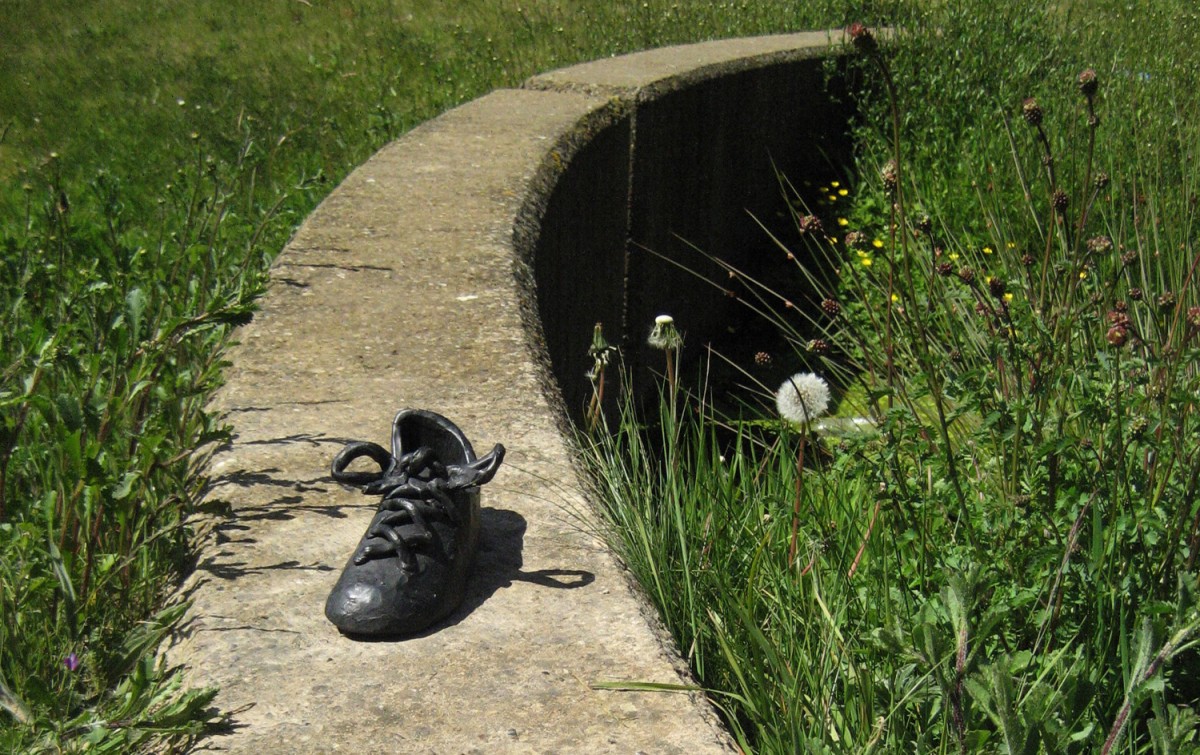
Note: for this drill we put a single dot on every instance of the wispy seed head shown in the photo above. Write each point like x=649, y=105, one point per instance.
x=802, y=397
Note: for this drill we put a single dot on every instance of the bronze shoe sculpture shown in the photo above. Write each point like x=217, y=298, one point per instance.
x=411, y=567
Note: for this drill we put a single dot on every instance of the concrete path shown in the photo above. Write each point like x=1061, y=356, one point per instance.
x=403, y=289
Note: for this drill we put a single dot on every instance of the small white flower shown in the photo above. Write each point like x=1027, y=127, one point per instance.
x=802, y=398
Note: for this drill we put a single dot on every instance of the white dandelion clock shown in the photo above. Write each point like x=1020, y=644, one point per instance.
x=802, y=398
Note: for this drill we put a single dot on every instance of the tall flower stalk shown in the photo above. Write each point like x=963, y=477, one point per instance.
x=865, y=43
x=601, y=352
x=801, y=399
x=665, y=337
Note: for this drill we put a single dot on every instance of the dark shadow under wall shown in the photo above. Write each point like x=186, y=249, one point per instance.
x=691, y=169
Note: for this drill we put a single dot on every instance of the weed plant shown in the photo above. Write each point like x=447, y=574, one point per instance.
x=153, y=158
x=1001, y=557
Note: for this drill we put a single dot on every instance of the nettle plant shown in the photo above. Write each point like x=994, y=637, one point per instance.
x=1035, y=381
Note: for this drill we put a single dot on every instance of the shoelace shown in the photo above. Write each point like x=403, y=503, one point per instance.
x=416, y=488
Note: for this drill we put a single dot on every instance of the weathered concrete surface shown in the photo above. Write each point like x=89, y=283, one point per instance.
x=405, y=289
x=648, y=75
x=399, y=291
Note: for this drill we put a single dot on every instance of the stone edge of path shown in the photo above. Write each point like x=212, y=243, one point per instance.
x=411, y=285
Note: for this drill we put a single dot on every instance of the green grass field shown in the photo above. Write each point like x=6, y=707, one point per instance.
x=1004, y=559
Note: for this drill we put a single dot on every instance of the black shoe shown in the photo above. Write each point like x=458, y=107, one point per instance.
x=410, y=569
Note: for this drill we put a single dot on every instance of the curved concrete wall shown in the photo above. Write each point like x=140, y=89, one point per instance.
x=399, y=291
x=684, y=161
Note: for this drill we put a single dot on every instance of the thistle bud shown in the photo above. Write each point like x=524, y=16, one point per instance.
x=888, y=174
x=1100, y=181
x=831, y=307
x=1060, y=201
x=1031, y=111
x=1088, y=84
x=1117, y=336
x=1100, y=245
x=856, y=240
x=997, y=287
x=1138, y=426
x=1118, y=318
x=966, y=274
x=862, y=38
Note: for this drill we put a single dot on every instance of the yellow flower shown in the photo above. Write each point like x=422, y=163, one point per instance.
x=1082, y=274
x=953, y=256
x=843, y=222
x=895, y=298
x=834, y=184
x=988, y=250
x=877, y=243
x=843, y=192
x=832, y=197
x=1008, y=297
x=866, y=261
x=1011, y=245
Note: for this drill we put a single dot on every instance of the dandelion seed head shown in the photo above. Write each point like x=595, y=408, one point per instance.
x=802, y=398
x=664, y=335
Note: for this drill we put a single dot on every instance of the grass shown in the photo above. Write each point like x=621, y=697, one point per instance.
x=1004, y=559
x=154, y=158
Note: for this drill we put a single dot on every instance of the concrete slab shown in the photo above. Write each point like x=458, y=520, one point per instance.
x=399, y=292
x=649, y=74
